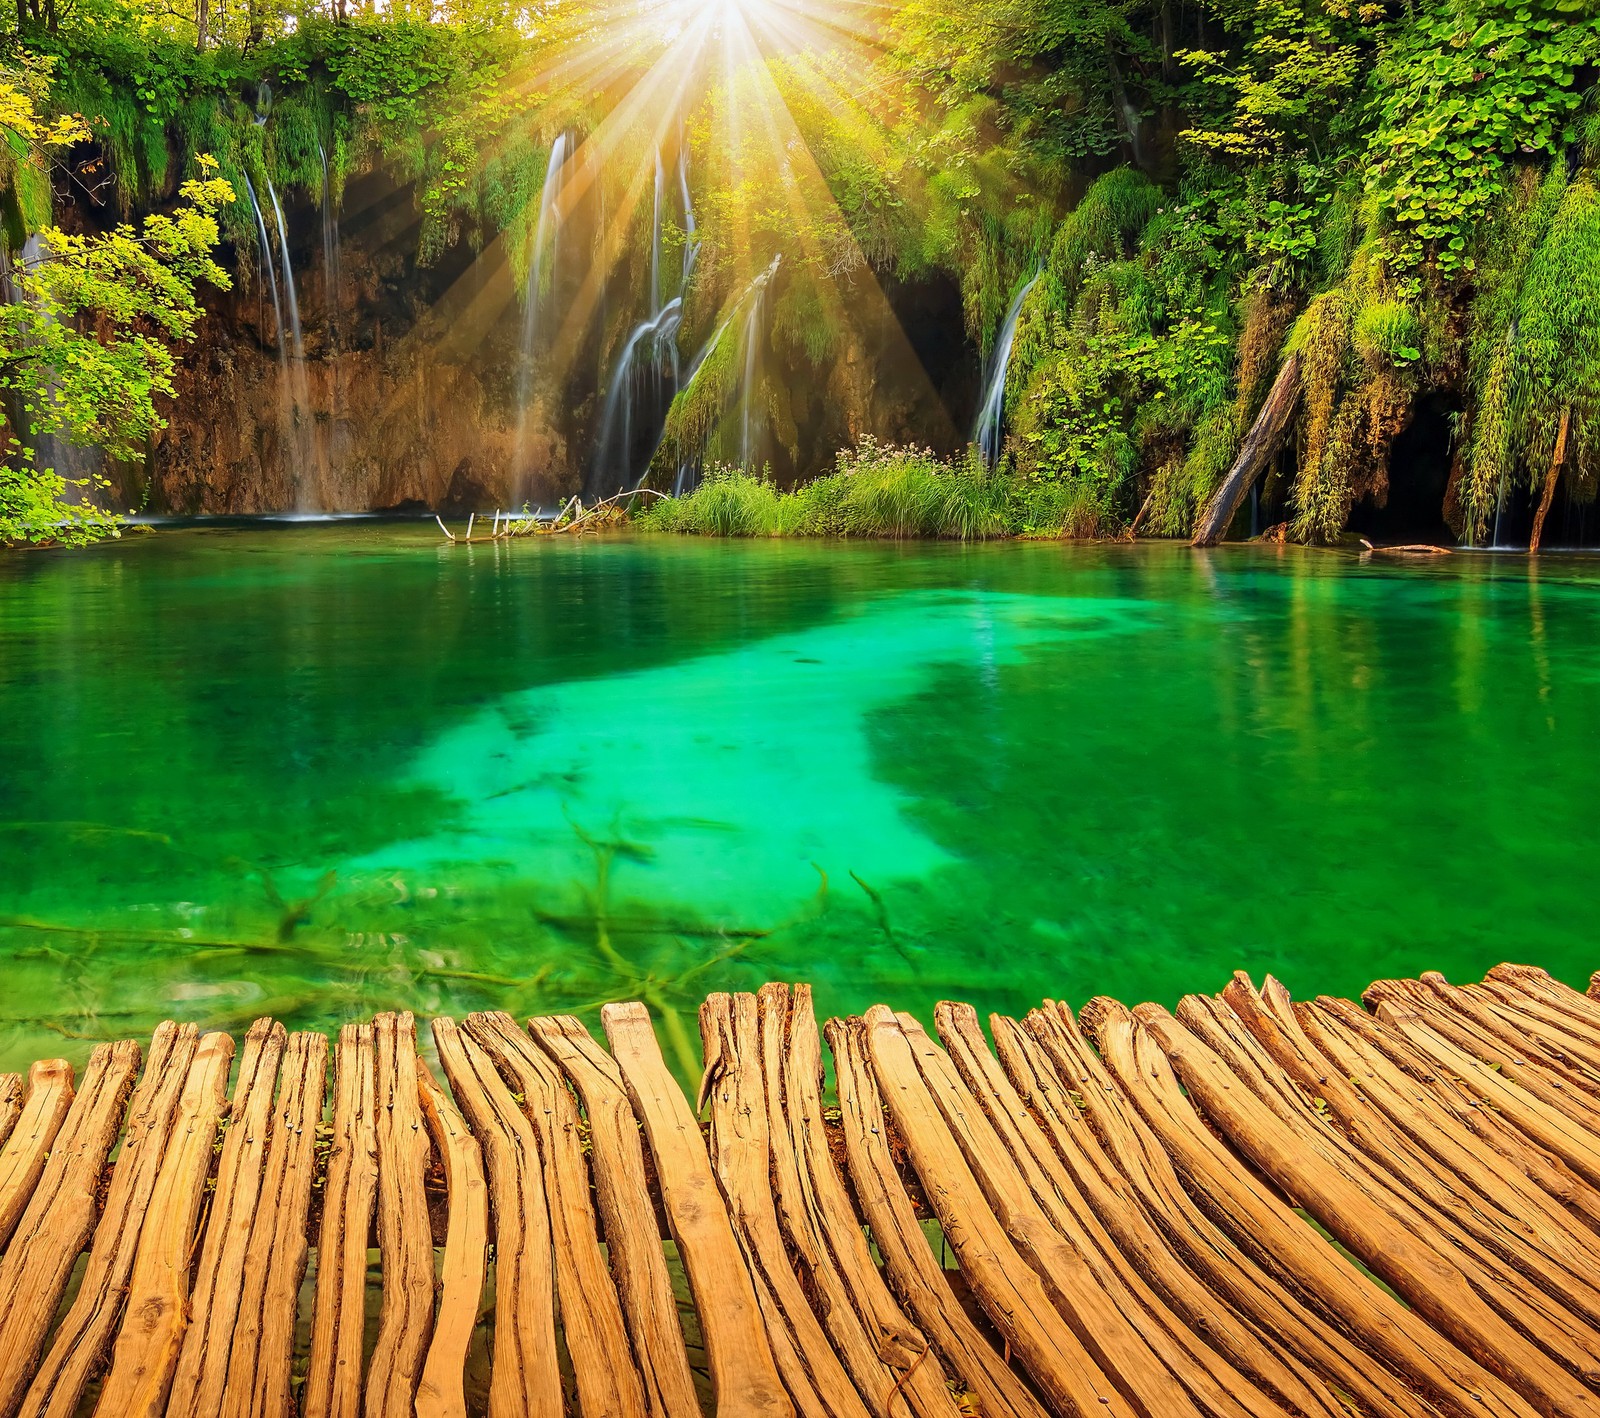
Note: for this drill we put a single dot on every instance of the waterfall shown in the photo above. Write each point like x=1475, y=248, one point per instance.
x=616, y=455
x=541, y=272
x=990, y=427
x=648, y=372
x=294, y=402
x=691, y=244
x=330, y=242
x=655, y=236
x=266, y=261
x=750, y=383
x=688, y=467
x=752, y=304
x=288, y=272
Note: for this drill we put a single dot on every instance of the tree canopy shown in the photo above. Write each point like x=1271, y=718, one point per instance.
x=1405, y=194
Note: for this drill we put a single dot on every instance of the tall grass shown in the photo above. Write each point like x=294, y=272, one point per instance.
x=886, y=492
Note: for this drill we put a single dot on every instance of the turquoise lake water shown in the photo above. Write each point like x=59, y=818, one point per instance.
x=321, y=770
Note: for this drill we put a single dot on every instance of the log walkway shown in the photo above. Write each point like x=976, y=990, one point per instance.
x=1249, y=1206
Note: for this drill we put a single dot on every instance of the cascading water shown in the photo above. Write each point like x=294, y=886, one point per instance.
x=304, y=444
x=751, y=304
x=989, y=430
x=330, y=242
x=648, y=373
x=750, y=429
x=655, y=237
x=615, y=452
x=542, y=261
x=288, y=272
x=294, y=404
x=266, y=263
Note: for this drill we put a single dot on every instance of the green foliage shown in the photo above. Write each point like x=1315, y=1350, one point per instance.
x=1536, y=346
x=878, y=491
x=1113, y=213
x=85, y=350
x=1470, y=86
x=1184, y=180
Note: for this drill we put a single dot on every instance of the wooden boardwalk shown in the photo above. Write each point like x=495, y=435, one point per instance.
x=1120, y=1213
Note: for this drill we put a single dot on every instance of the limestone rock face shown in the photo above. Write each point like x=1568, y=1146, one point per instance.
x=407, y=394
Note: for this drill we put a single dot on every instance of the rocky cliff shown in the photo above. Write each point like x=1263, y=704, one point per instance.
x=405, y=391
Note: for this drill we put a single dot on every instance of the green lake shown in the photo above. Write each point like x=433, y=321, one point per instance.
x=320, y=770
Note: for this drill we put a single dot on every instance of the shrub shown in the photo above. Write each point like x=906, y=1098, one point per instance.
x=887, y=492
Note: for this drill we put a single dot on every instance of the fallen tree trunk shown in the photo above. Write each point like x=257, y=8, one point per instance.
x=1557, y=459
x=1260, y=444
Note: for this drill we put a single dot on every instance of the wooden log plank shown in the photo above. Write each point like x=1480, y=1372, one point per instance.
x=744, y=1375
x=1118, y=1318
x=1490, y=1212
x=219, y=1277
x=405, y=1234
x=1178, y=1316
x=60, y=1216
x=333, y=1379
x=1442, y=1127
x=275, y=1264
x=23, y=1157
x=1022, y=1305
x=607, y=1380
x=1470, y=1245
x=1540, y=987
x=1063, y=1078
x=1571, y=1042
x=910, y=1263
x=146, y=1350
x=10, y=1104
x=742, y=1157
x=1520, y=1100
x=1278, y=1240
x=1361, y=1032
x=1472, y=1030
x=442, y=1392
x=1394, y=1239
x=890, y=1360
x=79, y=1344
x=524, y=1375
x=627, y=1215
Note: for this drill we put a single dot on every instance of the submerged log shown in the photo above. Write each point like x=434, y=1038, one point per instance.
x=1263, y=440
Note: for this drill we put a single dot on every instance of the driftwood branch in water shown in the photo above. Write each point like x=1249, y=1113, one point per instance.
x=1259, y=446
x=1548, y=496
x=1403, y=549
x=510, y=525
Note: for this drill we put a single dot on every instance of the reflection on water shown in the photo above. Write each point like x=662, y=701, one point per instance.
x=320, y=770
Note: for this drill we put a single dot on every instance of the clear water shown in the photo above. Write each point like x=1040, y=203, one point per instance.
x=321, y=770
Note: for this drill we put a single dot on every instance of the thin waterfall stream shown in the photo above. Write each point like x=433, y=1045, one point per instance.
x=989, y=431
x=648, y=373
x=542, y=261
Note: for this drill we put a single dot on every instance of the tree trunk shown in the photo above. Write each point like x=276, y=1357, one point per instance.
x=1549, y=493
x=1126, y=112
x=1260, y=444
x=202, y=23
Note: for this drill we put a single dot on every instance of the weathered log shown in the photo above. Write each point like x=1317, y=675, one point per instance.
x=1263, y=440
x=1549, y=493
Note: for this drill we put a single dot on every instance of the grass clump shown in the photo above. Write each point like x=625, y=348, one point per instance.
x=887, y=492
